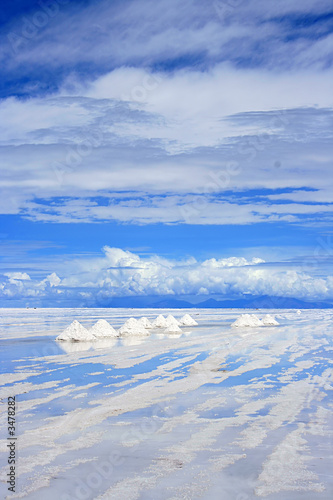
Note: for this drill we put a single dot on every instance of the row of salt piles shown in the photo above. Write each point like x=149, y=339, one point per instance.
x=251, y=320
x=76, y=332
x=169, y=325
x=170, y=321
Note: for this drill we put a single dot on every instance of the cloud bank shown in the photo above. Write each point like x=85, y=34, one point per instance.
x=95, y=281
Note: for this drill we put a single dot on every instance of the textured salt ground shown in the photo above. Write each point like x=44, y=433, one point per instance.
x=202, y=419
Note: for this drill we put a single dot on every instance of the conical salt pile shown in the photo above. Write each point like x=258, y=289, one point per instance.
x=160, y=322
x=171, y=320
x=75, y=332
x=173, y=329
x=132, y=327
x=187, y=320
x=247, y=320
x=269, y=320
x=145, y=323
x=103, y=329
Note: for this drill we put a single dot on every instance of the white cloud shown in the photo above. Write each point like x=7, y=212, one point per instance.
x=105, y=147
x=52, y=280
x=112, y=34
x=17, y=276
x=119, y=273
x=174, y=132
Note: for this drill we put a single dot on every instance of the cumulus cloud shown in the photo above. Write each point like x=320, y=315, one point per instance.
x=17, y=276
x=120, y=273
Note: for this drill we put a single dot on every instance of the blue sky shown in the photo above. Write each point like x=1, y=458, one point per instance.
x=165, y=149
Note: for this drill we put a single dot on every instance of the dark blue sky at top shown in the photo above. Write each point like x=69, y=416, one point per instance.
x=21, y=78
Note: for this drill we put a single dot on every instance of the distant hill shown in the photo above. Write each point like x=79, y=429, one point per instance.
x=264, y=302
x=247, y=302
x=172, y=304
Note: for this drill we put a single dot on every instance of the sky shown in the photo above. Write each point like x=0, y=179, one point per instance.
x=165, y=149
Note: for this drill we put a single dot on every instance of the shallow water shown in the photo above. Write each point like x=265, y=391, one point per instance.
x=216, y=413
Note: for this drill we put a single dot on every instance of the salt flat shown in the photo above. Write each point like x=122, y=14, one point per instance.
x=214, y=413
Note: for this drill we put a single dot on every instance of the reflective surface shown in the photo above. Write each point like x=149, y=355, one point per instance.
x=213, y=413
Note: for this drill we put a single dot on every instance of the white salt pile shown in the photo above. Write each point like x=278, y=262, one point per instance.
x=269, y=320
x=75, y=332
x=103, y=329
x=145, y=322
x=130, y=323
x=171, y=321
x=132, y=327
x=187, y=320
x=173, y=328
x=247, y=320
x=160, y=322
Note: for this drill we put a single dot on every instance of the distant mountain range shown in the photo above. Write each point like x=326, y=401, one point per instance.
x=248, y=302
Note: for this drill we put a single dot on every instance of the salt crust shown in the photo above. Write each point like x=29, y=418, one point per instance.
x=265, y=478
x=291, y=473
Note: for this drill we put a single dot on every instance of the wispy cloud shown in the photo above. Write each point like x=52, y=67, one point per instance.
x=105, y=35
x=93, y=158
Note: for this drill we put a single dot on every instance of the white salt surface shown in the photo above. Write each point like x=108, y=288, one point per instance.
x=187, y=320
x=247, y=320
x=218, y=414
x=103, y=329
x=269, y=320
x=75, y=332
